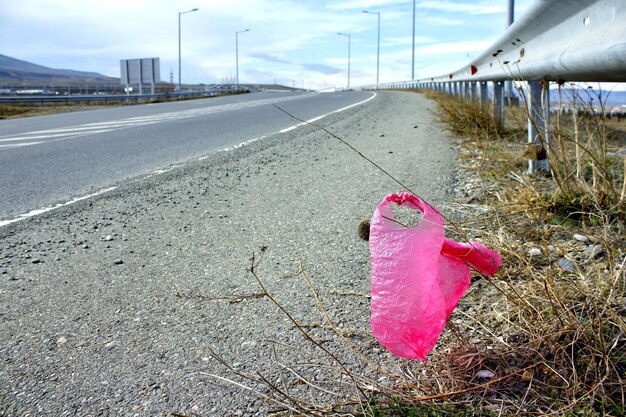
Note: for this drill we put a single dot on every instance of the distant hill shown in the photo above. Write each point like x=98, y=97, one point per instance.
x=15, y=72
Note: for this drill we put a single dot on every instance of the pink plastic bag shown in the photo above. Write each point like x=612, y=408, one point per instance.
x=418, y=276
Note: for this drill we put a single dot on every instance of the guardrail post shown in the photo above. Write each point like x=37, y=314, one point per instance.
x=475, y=92
x=498, y=102
x=484, y=93
x=466, y=90
x=538, y=107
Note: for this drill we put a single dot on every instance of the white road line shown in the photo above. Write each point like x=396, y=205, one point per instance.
x=239, y=145
x=29, y=137
x=72, y=134
x=315, y=119
x=37, y=212
x=18, y=145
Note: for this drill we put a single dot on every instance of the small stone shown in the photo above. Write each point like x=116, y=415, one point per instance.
x=535, y=252
x=485, y=374
x=567, y=265
x=118, y=262
x=364, y=229
x=36, y=261
x=111, y=345
x=594, y=239
x=85, y=246
x=581, y=238
x=528, y=375
x=594, y=252
x=61, y=340
x=108, y=238
x=600, y=267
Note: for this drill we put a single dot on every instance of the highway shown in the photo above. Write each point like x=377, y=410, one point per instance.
x=48, y=160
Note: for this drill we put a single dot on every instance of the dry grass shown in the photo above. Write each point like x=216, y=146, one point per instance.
x=561, y=314
x=17, y=110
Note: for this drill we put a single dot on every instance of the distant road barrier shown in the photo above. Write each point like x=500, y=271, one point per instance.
x=554, y=41
x=121, y=98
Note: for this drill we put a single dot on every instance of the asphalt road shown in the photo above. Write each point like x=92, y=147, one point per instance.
x=49, y=160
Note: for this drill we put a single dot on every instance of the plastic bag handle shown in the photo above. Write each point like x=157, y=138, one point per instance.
x=430, y=214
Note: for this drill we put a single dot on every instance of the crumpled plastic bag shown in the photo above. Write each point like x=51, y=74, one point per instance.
x=418, y=276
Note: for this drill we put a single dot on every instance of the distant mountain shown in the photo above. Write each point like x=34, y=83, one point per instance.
x=14, y=71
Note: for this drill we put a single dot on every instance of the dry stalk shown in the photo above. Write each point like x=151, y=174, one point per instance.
x=253, y=270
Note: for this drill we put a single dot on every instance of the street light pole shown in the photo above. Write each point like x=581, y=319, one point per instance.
x=179, y=60
x=349, y=41
x=413, y=48
x=510, y=15
x=237, y=54
x=377, y=47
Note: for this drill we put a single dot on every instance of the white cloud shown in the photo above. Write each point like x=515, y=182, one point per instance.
x=362, y=4
x=441, y=21
x=463, y=7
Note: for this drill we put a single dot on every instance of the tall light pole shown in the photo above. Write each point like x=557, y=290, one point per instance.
x=510, y=15
x=179, y=64
x=378, y=46
x=237, y=54
x=413, y=48
x=349, y=41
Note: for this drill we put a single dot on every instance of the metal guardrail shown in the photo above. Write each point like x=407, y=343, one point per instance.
x=554, y=41
x=130, y=98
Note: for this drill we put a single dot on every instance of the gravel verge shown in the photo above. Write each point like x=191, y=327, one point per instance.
x=111, y=306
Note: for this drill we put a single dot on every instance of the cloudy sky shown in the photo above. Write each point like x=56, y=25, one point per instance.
x=292, y=42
